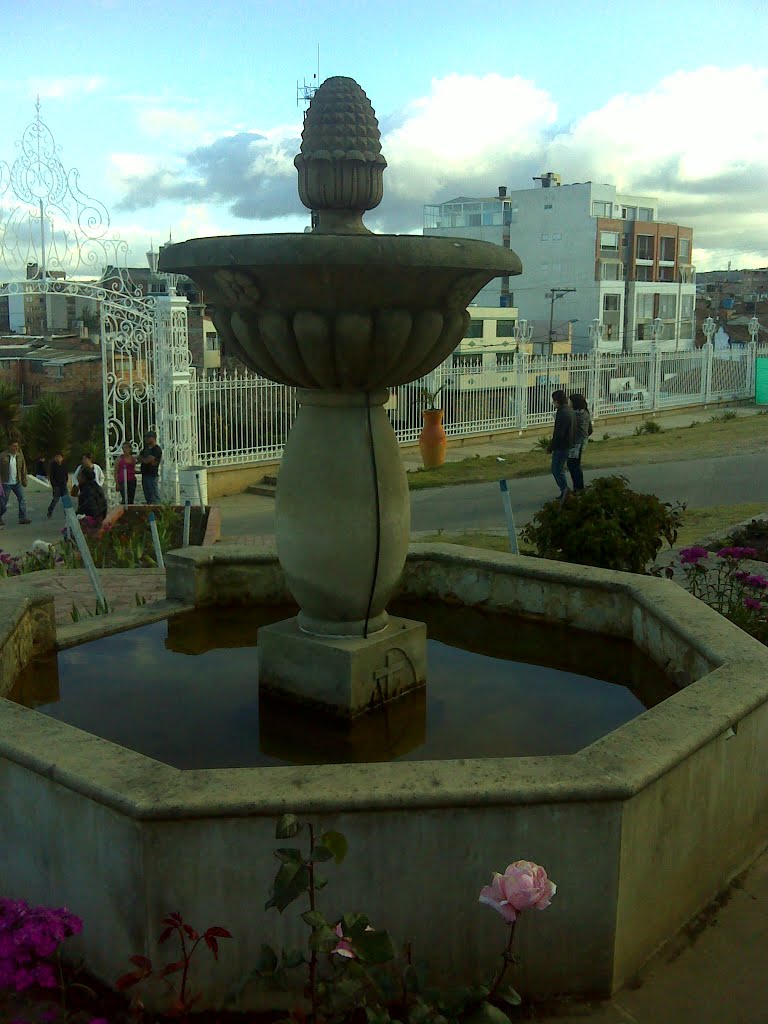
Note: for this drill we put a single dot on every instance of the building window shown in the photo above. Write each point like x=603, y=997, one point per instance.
x=644, y=306
x=667, y=249
x=611, y=303
x=644, y=274
x=601, y=209
x=667, y=307
x=610, y=271
x=547, y=206
x=557, y=236
x=505, y=328
x=473, y=220
x=544, y=237
x=645, y=213
x=667, y=274
x=686, y=306
x=645, y=247
x=506, y=359
x=212, y=343
x=629, y=213
x=509, y=213
x=609, y=241
x=474, y=329
x=685, y=249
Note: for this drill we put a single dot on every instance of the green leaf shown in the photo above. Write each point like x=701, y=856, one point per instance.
x=314, y=919
x=377, y=1015
x=322, y=940
x=373, y=947
x=336, y=843
x=353, y=924
x=320, y=853
x=292, y=958
x=267, y=961
x=320, y=883
x=486, y=1013
x=287, y=827
x=288, y=855
x=509, y=995
x=290, y=882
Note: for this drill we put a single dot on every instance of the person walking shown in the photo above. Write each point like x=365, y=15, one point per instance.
x=41, y=468
x=58, y=476
x=583, y=433
x=13, y=476
x=125, y=475
x=149, y=457
x=563, y=439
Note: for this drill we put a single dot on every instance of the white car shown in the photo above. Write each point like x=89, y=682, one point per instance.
x=631, y=396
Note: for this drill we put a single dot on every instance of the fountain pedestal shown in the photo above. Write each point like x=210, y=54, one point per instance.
x=342, y=676
x=343, y=523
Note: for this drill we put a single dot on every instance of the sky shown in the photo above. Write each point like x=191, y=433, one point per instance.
x=182, y=118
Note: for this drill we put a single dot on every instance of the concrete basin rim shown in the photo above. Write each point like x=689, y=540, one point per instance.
x=607, y=770
x=261, y=253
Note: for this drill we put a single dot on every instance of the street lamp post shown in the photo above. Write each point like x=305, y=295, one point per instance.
x=657, y=330
x=754, y=329
x=553, y=296
x=523, y=333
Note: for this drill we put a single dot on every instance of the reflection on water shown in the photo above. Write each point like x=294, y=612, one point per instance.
x=185, y=691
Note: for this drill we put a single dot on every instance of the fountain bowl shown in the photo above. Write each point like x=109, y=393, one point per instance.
x=340, y=313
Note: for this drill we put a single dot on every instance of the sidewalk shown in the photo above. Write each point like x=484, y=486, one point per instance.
x=469, y=448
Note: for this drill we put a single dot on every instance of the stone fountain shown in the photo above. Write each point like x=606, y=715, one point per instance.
x=341, y=314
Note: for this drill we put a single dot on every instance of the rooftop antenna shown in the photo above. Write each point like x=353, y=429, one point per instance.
x=305, y=92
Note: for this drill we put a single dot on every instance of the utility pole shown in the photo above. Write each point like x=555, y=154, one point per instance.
x=553, y=296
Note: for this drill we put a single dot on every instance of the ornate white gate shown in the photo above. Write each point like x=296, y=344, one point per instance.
x=56, y=241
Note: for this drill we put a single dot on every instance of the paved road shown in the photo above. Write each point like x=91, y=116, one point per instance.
x=725, y=481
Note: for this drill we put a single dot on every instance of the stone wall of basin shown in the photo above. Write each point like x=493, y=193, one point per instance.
x=640, y=830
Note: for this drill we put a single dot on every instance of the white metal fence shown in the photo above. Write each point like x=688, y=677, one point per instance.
x=245, y=418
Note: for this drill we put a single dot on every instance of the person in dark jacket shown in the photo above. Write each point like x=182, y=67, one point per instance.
x=91, y=499
x=58, y=476
x=563, y=439
x=583, y=432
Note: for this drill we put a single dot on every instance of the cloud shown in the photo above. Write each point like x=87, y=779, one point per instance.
x=694, y=141
x=251, y=174
x=65, y=85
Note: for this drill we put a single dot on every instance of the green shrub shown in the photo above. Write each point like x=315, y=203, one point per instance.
x=652, y=427
x=607, y=525
x=541, y=444
x=47, y=427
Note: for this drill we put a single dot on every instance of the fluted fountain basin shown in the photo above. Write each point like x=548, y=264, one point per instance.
x=640, y=829
x=351, y=312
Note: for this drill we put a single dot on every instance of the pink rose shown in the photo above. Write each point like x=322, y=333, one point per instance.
x=523, y=886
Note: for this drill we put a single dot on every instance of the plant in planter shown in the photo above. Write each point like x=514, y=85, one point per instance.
x=432, y=439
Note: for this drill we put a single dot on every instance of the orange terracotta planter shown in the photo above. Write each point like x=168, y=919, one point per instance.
x=432, y=439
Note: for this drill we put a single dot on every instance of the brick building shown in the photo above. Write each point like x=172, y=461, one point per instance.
x=67, y=366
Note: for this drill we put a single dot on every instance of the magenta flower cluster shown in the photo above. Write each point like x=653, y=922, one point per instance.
x=736, y=553
x=691, y=556
x=29, y=937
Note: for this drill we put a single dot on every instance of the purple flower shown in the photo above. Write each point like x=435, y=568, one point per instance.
x=758, y=582
x=29, y=936
x=690, y=556
x=736, y=553
x=753, y=604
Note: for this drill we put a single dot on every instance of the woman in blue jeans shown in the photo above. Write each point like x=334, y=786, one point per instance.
x=583, y=431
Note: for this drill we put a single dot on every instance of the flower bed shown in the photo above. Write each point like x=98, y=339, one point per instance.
x=753, y=535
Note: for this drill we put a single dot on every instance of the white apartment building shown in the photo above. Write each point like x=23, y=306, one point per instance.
x=631, y=274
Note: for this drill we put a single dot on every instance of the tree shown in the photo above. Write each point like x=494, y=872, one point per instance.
x=47, y=427
x=9, y=413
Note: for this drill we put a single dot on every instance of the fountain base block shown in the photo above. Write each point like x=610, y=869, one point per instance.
x=342, y=676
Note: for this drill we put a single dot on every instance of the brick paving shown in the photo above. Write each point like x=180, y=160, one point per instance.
x=72, y=586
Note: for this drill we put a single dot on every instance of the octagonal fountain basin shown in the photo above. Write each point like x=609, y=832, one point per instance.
x=640, y=827
x=489, y=674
